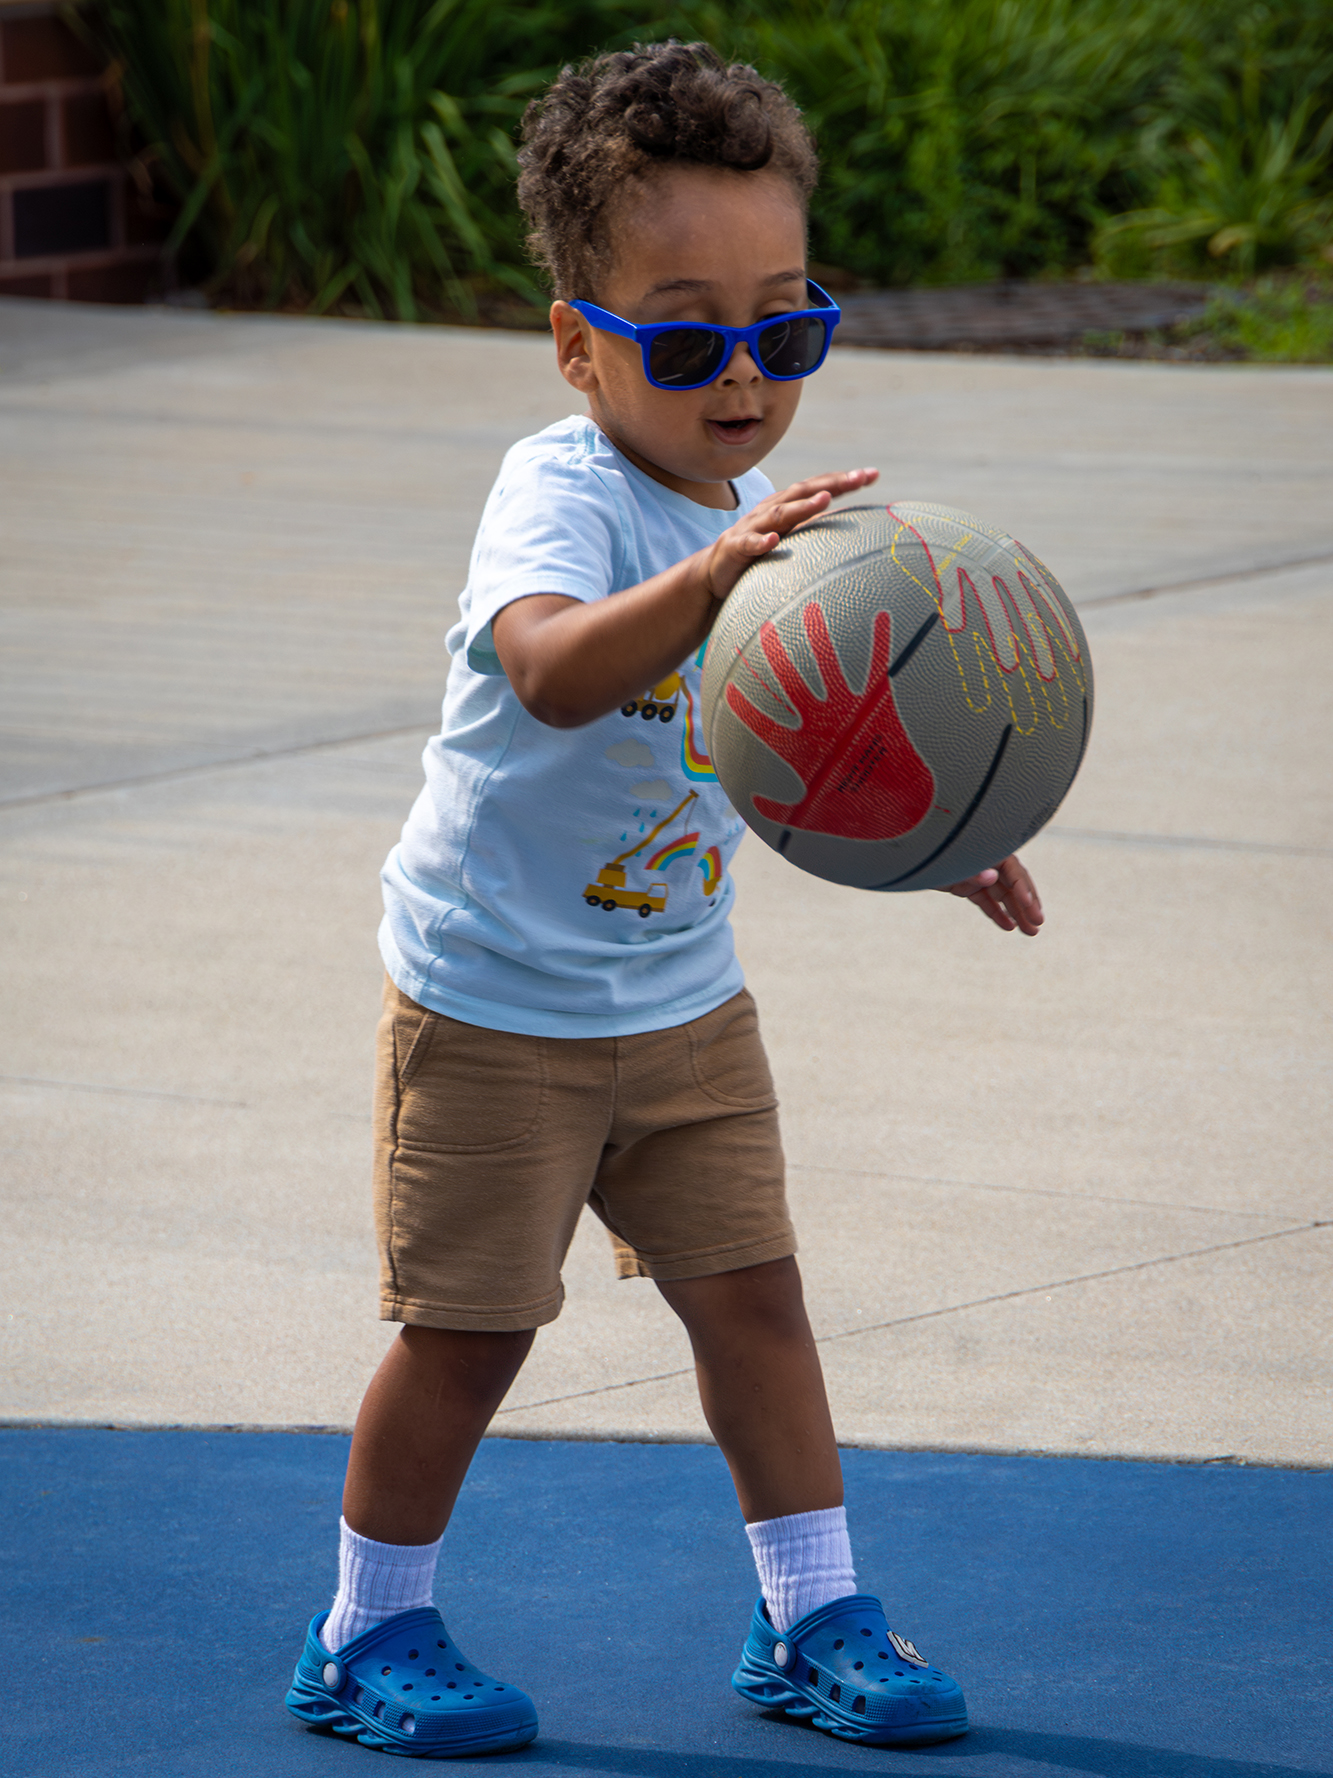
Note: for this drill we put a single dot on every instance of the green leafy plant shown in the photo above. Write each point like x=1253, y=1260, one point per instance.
x=1278, y=320
x=961, y=139
x=336, y=152
x=360, y=154
x=1237, y=155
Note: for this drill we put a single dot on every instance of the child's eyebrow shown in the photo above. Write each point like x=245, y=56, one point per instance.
x=688, y=286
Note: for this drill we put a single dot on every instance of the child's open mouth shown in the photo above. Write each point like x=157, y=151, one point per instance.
x=735, y=431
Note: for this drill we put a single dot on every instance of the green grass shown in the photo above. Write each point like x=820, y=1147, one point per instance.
x=335, y=154
x=1278, y=321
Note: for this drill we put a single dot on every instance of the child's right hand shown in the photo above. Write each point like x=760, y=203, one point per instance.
x=765, y=525
x=571, y=661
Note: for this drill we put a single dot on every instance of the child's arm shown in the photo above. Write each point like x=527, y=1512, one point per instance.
x=1006, y=895
x=570, y=662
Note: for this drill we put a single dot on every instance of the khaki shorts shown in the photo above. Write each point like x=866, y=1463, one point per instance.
x=488, y=1145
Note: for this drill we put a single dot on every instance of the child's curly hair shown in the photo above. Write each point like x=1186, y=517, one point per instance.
x=618, y=117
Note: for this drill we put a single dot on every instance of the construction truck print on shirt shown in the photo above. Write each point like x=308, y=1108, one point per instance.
x=654, y=840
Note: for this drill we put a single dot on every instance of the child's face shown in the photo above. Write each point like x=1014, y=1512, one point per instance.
x=693, y=244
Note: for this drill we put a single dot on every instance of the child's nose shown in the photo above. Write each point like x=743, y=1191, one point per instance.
x=741, y=367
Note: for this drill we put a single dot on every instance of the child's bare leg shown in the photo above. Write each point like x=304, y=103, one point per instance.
x=762, y=1387
x=420, y=1423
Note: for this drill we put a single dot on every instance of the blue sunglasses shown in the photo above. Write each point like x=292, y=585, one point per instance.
x=685, y=355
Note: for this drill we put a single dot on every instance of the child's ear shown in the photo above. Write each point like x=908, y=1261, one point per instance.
x=573, y=347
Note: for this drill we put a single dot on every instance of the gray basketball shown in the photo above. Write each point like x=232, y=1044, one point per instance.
x=897, y=697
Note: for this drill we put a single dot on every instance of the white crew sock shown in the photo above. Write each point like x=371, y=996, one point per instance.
x=376, y=1581
x=804, y=1561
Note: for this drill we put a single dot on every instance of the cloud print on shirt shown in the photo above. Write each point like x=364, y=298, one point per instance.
x=630, y=753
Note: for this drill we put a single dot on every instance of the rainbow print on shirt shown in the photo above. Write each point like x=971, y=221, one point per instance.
x=694, y=762
x=710, y=863
x=683, y=847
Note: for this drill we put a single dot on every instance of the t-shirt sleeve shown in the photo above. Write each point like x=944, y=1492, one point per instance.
x=549, y=526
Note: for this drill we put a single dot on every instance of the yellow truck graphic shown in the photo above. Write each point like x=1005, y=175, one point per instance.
x=611, y=891
x=660, y=702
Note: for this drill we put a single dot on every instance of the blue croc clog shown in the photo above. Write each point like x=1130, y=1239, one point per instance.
x=406, y=1687
x=842, y=1669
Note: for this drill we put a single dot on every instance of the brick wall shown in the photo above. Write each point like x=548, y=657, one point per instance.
x=72, y=221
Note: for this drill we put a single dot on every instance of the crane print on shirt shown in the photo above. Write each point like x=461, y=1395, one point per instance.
x=636, y=878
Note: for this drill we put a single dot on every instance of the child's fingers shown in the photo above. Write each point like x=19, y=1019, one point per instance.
x=842, y=481
x=993, y=910
x=791, y=513
x=1019, y=894
x=834, y=482
x=1006, y=895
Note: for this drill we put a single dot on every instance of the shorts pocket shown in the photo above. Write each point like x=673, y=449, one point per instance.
x=727, y=1054
x=463, y=1089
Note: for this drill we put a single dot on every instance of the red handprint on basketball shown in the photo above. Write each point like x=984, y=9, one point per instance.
x=863, y=778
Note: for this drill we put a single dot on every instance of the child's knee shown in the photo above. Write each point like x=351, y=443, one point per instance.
x=766, y=1296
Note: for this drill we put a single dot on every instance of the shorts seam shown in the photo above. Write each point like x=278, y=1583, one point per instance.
x=715, y=1093
x=778, y=1246
x=390, y=1159
x=421, y=1042
x=412, y=1311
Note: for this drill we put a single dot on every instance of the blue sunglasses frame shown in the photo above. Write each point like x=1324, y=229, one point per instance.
x=826, y=311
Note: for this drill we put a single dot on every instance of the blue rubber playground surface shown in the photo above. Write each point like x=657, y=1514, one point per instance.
x=1138, y=1620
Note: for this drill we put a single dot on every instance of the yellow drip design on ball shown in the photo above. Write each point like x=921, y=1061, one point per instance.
x=1017, y=624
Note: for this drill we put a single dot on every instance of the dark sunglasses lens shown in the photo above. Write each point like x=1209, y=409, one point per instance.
x=686, y=357
x=792, y=348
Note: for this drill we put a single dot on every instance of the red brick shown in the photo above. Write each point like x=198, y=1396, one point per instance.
x=133, y=283
x=58, y=219
x=33, y=286
x=23, y=137
x=90, y=140
x=43, y=49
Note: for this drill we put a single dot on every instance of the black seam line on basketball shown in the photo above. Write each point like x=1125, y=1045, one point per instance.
x=967, y=815
x=914, y=644
x=1224, y=579
x=93, y=1086
x=172, y=774
x=981, y=1302
x=836, y=573
x=1046, y=1191
x=784, y=842
x=1186, y=842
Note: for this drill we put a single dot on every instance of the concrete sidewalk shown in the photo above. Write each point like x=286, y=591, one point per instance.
x=1070, y=1195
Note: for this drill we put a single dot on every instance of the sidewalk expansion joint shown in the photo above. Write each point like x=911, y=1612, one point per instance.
x=254, y=756
x=1045, y=1191
x=982, y=1302
x=1139, y=1265
x=1226, y=578
x=89, y=1086
x=1188, y=841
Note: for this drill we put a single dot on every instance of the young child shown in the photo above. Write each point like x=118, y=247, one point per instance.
x=565, y=1021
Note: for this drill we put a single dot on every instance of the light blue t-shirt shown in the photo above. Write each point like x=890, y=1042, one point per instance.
x=568, y=882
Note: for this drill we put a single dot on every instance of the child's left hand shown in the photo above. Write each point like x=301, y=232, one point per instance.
x=1007, y=895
